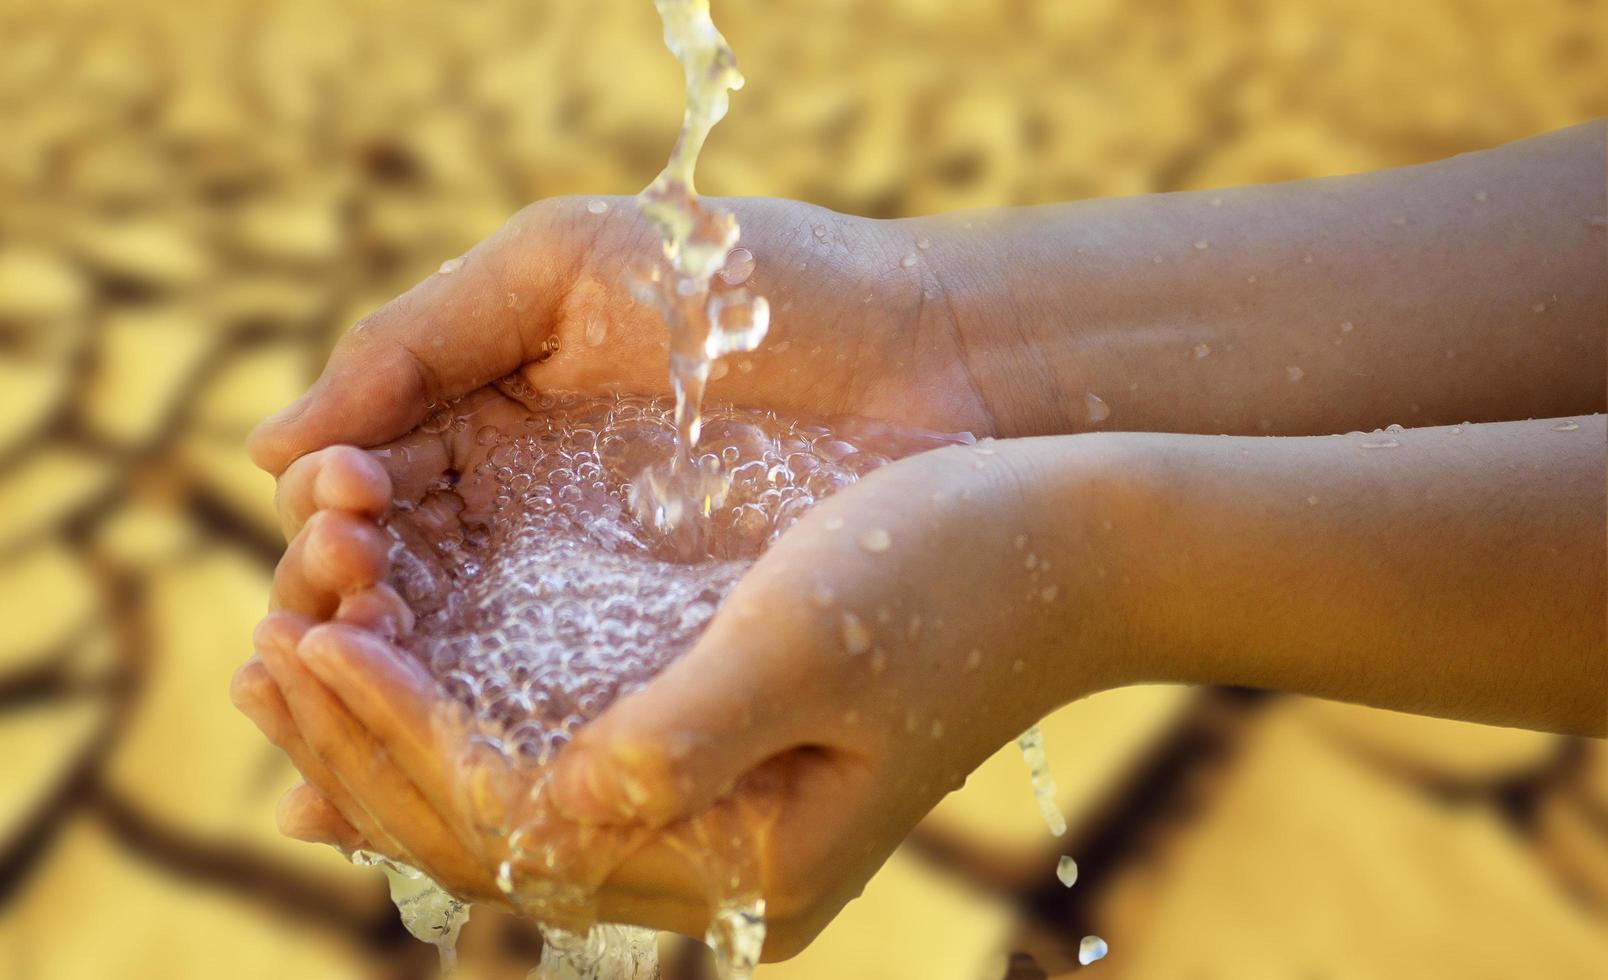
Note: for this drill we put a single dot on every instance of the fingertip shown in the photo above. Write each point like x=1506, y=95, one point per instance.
x=305, y=814
x=270, y=443
x=280, y=631
x=249, y=685
x=380, y=610
x=352, y=480
x=344, y=553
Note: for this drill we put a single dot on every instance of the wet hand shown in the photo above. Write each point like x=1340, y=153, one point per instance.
x=853, y=330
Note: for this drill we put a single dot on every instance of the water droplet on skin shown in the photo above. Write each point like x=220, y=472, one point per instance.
x=1018, y=666
x=875, y=541
x=739, y=266
x=1049, y=592
x=597, y=207
x=1217, y=202
x=1155, y=259
x=1202, y=350
x=1294, y=373
x=974, y=659
x=1539, y=308
x=1020, y=542
x=1251, y=280
x=1031, y=562
x=1381, y=444
x=595, y=332
x=1394, y=427
x=833, y=523
x=924, y=243
x=823, y=597
x=851, y=717
x=1090, y=949
x=1095, y=409
x=450, y=266
x=937, y=730
x=1457, y=430
x=1347, y=326
x=983, y=450
x=1203, y=245
x=1067, y=870
x=1306, y=260
x=856, y=635
x=908, y=261
x=1312, y=501
x=1568, y=425
x=720, y=370
x=1481, y=196
x=819, y=231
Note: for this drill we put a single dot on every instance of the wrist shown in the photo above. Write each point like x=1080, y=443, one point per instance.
x=1086, y=506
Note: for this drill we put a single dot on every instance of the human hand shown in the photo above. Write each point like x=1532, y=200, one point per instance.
x=853, y=329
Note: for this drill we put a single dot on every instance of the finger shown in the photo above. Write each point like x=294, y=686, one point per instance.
x=450, y=334
x=337, y=478
x=307, y=815
x=389, y=694
x=684, y=740
x=379, y=610
x=258, y=698
x=361, y=764
x=335, y=554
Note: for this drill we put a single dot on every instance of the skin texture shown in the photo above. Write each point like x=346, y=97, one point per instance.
x=1456, y=573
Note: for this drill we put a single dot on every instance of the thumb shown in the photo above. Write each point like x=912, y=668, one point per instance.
x=677, y=745
x=450, y=334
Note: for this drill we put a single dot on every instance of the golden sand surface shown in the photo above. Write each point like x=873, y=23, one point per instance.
x=196, y=198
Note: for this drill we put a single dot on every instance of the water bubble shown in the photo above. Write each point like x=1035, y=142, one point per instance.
x=856, y=635
x=875, y=540
x=1568, y=425
x=597, y=207
x=1090, y=949
x=1201, y=351
x=1095, y=409
x=739, y=266
x=1294, y=373
x=450, y=266
x=909, y=261
x=1067, y=870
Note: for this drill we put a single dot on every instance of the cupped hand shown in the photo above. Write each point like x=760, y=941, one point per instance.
x=855, y=328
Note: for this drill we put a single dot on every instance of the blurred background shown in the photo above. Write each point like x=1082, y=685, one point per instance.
x=198, y=196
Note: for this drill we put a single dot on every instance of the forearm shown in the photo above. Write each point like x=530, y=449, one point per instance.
x=1459, y=573
x=1470, y=289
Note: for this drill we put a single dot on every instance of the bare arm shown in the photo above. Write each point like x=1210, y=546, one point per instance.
x=1471, y=289
x=1457, y=571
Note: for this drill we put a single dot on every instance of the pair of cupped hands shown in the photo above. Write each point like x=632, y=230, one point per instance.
x=861, y=747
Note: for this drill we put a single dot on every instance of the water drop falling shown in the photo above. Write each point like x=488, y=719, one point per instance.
x=1095, y=409
x=451, y=265
x=1067, y=870
x=739, y=266
x=1091, y=948
x=597, y=207
x=875, y=541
